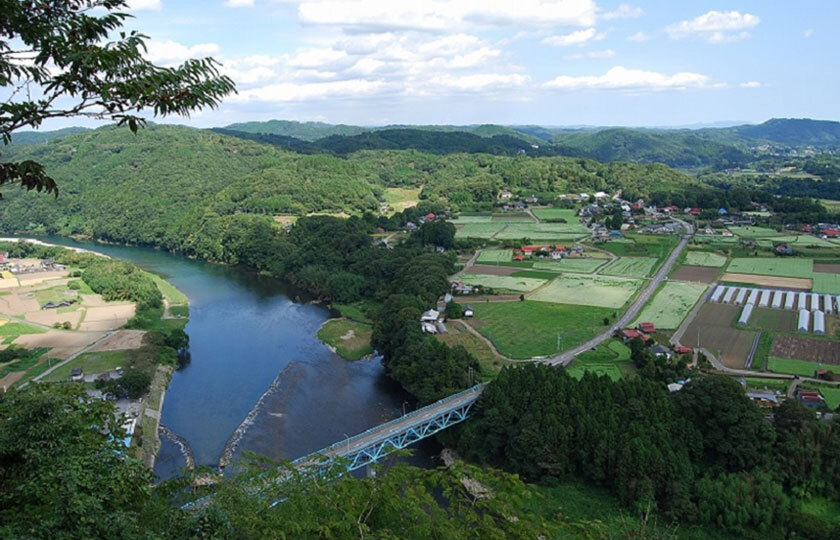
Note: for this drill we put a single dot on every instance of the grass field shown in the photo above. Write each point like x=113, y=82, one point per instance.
x=704, y=258
x=350, y=339
x=495, y=255
x=355, y=311
x=458, y=335
x=579, y=266
x=401, y=198
x=570, y=215
x=776, y=385
x=831, y=395
x=630, y=267
x=26, y=360
x=93, y=362
x=826, y=283
x=528, y=329
x=479, y=230
x=671, y=304
x=172, y=295
x=611, y=359
x=543, y=231
x=11, y=330
x=755, y=232
x=472, y=218
x=643, y=245
x=509, y=283
x=776, y=266
x=793, y=367
x=583, y=290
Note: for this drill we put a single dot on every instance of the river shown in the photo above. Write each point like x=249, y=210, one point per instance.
x=250, y=334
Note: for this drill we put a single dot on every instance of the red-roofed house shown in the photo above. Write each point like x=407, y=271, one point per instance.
x=518, y=257
x=694, y=211
x=831, y=233
x=806, y=228
x=682, y=350
x=429, y=216
x=810, y=399
x=647, y=327
x=629, y=333
x=530, y=249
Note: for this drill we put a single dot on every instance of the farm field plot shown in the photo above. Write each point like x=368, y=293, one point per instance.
x=583, y=290
x=528, y=329
x=568, y=214
x=671, y=304
x=544, y=231
x=704, y=258
x=776, y=266
x=756, y=232
x=495, y=255
x=479, y=230
x=806, y=240
x=780, y=320
x=699, y=274
x=502, y=282
x=826, y=268
x=611, y=359
x=522, y=217
x=643, y=246
x=768, y=281
x=630, y=267
x=806, y=349
x=92, y=362
x=492, y=270
x=792, y=367
x=402, y=198
x=831, y=395
x=712, y=329
x=826, y=283
x=458, y=335
x=579, y=266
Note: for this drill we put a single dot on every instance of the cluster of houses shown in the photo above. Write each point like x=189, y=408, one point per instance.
x=56, y=305
x=556, y=253
x=643, y=331
x=432, y=320
x=769, y=400
x=822, y=230
x=15, y=266
x=411, y=226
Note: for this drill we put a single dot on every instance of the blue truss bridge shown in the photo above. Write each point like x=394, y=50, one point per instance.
x=377, y=442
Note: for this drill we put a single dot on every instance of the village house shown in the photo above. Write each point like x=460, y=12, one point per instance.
x=647, y=327
x=661, y=350
x=468, y=311
x=810, y=399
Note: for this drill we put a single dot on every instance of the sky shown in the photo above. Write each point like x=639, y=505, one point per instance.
x=546, y=62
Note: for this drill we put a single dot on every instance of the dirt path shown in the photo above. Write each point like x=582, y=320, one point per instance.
x=486, y=341
x=70, y=358
x=469, y=263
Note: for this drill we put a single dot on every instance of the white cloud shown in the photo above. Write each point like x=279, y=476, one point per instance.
x=575, y=38
x=440, y=16
x=239, y=3
x=140, y=5
x=607, y=53
x=172, y=52
x=624, y=11
x=352, y=88
x=638, y=37
x=750, y=84
x=715, y=26
x=808, y=33
x=621, y=78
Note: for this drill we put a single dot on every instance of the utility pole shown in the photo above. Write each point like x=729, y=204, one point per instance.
x=470, y=372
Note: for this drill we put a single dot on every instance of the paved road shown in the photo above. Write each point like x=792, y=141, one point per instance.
x=565, y=357
x=399, y=425
x=71, y=357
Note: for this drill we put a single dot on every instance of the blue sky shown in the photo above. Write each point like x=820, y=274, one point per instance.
x=560, y=62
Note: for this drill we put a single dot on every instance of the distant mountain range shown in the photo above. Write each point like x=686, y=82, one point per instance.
x=683, y=148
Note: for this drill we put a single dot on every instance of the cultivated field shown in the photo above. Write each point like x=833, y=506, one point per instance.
x=827, y=268
x=543, y=231
x=479, y=230
x=713, y=326
x=495, y=256
x=502, y=282
x=401, y=198
x=826, y=283
x=780, y=320
x=579, y=266
x=472, y=218
x=528, y=329
x=756, y=232
x=492, y=270
x=583, y=290
x=671, y=304
x=704, y=258
x=831, y=395
x=806, y=349
x=630, y=267
x=700, y=274
x=792, y=367
x=768, y=281
x=458, y=335
x=776, y=266
x=557, y=213
x=611, y=359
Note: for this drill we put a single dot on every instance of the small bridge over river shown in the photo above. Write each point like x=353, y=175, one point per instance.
x=372, y=445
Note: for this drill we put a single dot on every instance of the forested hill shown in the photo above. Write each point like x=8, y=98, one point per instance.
x=185, y=189
x=305, y=131
x=792, y=132
x=36, y=137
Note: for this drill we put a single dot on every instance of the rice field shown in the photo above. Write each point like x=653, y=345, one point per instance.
x=631, y=267
x=479, y=230
x=826, y=283
x=461, y=220
x=792, y=367
x=776, y=266
x=671, y=304
x=704, y=258
x=495, y=256
x=568, y=214
x=510, y=283
x=585, y=290
x=755, y=232
x=579, y=266
x=543, y=231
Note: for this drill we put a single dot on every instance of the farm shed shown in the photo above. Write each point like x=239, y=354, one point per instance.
x=727, y=298
x=742, y=295
x=777, y=299
x=819, y=322
x=790, y=298
x=803, y=301
x=745, y=314
x=753, y=296
x=828, y=304
x=815, y=301
x=804, y=320
x=765, y=298
x=719, y=290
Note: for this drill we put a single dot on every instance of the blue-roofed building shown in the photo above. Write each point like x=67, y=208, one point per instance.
x=722, y=212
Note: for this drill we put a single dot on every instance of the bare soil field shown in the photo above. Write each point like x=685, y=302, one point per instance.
x=769, y=281
x=110, y=312
x=63, y=344
x=18, y=304
x=827, y=268
x=93, y=300
x=39, y=277
x=713, y=325
x=700, y=274
x=50, y=316
x=120, y=340
x=492, y=270
x=808, y=349
x=780, y=320
x=102, y=326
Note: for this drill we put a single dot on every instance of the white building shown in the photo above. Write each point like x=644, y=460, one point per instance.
x=719, y=290
x=819, y=322
x=828, y=304
x=777, y=299
x=790, y=298
x=727, y=298
x=803, y=301
x=804, y=320
x=815, y=301
x=430, y=316
x=753, y=296
x=765, y=298
x=745, y=314
x=742, y=295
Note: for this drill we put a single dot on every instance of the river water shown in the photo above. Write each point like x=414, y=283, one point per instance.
x=254, y=355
